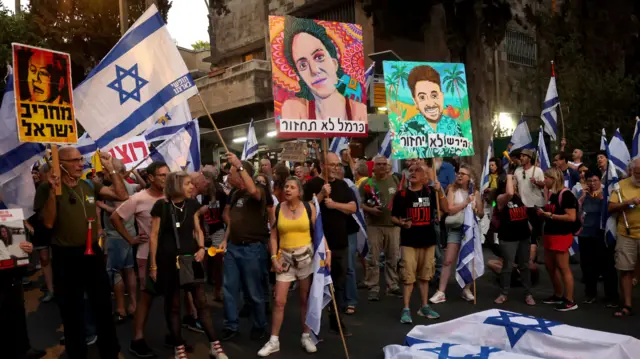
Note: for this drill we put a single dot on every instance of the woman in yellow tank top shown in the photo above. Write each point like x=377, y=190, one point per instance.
x=292, y=259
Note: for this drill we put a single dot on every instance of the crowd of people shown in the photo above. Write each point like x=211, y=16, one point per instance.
x=248, y=233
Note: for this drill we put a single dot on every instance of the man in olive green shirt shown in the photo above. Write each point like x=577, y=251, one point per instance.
x=74, y=272
x=377, y=194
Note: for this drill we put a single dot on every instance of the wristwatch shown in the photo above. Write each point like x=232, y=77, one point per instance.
x=240, y=169
x=113, y=172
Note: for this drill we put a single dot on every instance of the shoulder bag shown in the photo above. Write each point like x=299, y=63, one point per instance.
x=190, y=271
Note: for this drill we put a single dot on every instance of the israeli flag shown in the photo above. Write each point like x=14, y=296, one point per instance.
x=16, y=158
x=319, y=294
x=385, y=147
x=545, y=164
x=362, y=242
x=549, y=109
x=87, y=148
x=619, y=153
x=426, y=349
x=250, y=148
x=181, y=152
x=520, y=139
x=611, y=188
x=338, y=144
x=368, y=76
x=603, y=141
x=636, y=140
x=169, y=124
x=470, y=256
x=142, y=78
x=484, y=184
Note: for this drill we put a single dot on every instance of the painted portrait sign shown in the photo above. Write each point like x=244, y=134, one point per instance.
x=318, y=78
x=44, y=97
x=12, y=233
x=428, y=108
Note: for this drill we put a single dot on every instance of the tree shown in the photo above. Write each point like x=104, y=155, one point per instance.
x=201, y=45
x=453, y=80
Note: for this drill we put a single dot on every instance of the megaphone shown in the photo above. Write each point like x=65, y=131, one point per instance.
x=89, y=248
x=212, y=251
x=506, y=155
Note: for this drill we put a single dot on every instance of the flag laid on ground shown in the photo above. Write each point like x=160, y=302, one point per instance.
x=16, y=159
x=169, y=124
x=385, y=147
x=319, y=294
x=338, y=144
x=484, y=183
x=550, y=107
x=545, y=164
x=520, y=139
x=619, y=153
x=181, y=152
x=611, y=186
x=250, y=148
x=636, y=140
x=470, y=256
x=142, y=78
x=362, y=239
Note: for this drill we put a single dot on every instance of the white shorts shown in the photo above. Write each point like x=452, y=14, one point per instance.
x=295, y=272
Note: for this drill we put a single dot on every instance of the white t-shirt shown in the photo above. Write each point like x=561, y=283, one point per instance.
x=530, y=194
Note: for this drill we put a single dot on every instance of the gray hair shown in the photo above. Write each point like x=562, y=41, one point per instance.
x=361, y=168
x=298, y=183
x=173, y=184
x=377, y=157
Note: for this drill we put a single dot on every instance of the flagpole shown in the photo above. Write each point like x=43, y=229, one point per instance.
x=333, y=295
x=213, y=123
x=473, y=275
x=435, y=180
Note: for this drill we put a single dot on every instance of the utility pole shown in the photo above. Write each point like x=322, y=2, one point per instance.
x=18, y=10
x=124, y=16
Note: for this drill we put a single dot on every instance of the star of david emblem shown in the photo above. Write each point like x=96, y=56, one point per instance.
x=443, y=352
x=323, y=267
x=184, y=168
x=119, y=86
x=515, y=330
x=164, y=119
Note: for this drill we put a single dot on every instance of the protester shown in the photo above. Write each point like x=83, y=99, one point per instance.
x=315, y=168
x=41, y=239
x=74, y=273
x=377, y=193
x=265, y=169
x=596, y=257
x=571, y=176
x=560, y=216
x=496, y=175
x=445, y=171
x=361, y=172
x=627, y=241
x=175, y=220
x=337, y=204
x=459, y=195
x=576, y=157
x=348, y=163
x=530, y=182
x=353, y=228
x=414, y=211
x=579, y=188
x=245, y=257
x=515, y=239
x=139, y=207
x=299, y=173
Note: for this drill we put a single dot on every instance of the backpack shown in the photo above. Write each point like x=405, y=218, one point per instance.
x=307, y=207
x=576, y=226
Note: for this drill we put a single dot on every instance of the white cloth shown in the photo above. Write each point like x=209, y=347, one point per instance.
x=530, y=194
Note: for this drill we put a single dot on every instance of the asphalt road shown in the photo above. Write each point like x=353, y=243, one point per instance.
x=375, y=324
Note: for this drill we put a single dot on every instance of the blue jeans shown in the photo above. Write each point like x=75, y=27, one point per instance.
x=351, y=288
x=244, y=265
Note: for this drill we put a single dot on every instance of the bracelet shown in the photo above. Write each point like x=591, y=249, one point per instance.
x=274, y=256
x=153, y=268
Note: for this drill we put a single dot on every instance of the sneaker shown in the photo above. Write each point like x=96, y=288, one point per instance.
x=192, y=324
x=427, y=312
x=91, y=340
x=47, y=297
x=374, y=296
x=307, y=343
x=169, y=344
x=566, y=306
x=467, y=295
x=439, y=297
x=589, y=300
x=140, y=349
x=228, y=334
x=395, y=292
x=272, y=346
x=257, y=334
x=180, y=353
x=216, y=351
x=405, y=316
x=553, y=300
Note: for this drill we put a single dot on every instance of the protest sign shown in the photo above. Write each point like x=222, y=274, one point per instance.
x=131, y=151
x=44, y=100
x=294, y=151
x=318, y=78
x=428, y=107
x=12, y=233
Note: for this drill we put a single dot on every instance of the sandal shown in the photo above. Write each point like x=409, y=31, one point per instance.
x=625, y=311
x=351, y=310
x=501, y=299
x=119, y=318
x=529, y=300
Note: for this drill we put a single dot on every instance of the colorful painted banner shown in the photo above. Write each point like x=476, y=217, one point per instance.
x=12, y=233
x=318, y=78
x=428, y=107
x=44, y=98
x=131, y=152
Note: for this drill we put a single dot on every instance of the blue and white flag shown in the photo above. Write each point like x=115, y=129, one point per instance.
x=368, y=76
x=484, y=183
x=16, y=158
x=169, y=124
x=619, y=153
x=636, y=140
x=549, y=110
x=181, y=152
x=520, y=139
x=87, y=148
x=603, y=141
x=470, y=256
x=250, y=148
x=142, y=78
x=362, y=241
x=319, y=294
x=338, y=144
x=385, y=147
x=611, y=188
x=545, y=164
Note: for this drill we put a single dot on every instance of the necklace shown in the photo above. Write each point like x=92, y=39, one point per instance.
x=180, y=208
x=293, y=210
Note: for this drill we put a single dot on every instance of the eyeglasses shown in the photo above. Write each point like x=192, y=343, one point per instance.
x=77, y=160
x=333, y=165
x=460, y=174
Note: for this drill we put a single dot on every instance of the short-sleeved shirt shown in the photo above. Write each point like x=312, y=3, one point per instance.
x=627, y=192
x=213, y=215
x=140, y=205
x=591, y=217
x=184, y=215
x=553, y=227
x=248, y=217
x=73, y=209
x=375, y=192
x=514, y=221
x=420, y=207
x=530, y=194
x=129, y=224
x=334, y=222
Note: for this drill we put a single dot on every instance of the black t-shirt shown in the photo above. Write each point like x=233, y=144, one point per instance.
x=553, y=227
x=213, y=215
x=514, y=221
x=248, y=217
x=334, y=222
x=166, y=238
x=419, y=206
x=347, y=172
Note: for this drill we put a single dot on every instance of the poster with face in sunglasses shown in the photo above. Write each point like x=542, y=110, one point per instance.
x=12, y=233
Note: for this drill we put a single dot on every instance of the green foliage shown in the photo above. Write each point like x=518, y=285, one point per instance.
x=201, y=45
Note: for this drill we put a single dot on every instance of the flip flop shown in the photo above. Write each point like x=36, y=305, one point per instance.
x=625, y=311
x=351, y=310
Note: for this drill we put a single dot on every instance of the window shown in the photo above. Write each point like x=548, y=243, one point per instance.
x=520, y=48
x=344, y=12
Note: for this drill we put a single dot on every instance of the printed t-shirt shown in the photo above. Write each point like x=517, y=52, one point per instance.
x=627, y=192
x=213, y=215
x=553, y=227
x=376, y=192
x=420, y=207
x=514, y=221
x=166, y=237
x=248, y=217
x=140, y=205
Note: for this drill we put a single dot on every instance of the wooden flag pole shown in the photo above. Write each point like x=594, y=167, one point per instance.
x=435, y=180
x=55, y=167
x=213, y=123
